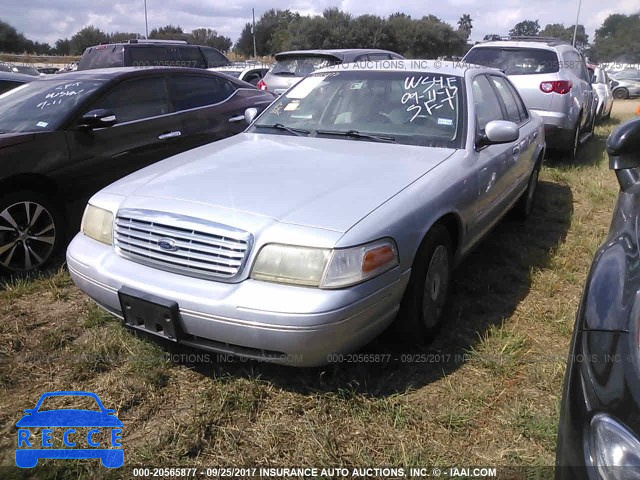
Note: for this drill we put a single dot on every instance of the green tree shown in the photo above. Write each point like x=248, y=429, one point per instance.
x=492, y=36
x=63, y=46
x=526, y=28
x=168, y=32
x=206, y=36
x=617, y=39
x=465, y=24
x=87, y=37
x=116, y=37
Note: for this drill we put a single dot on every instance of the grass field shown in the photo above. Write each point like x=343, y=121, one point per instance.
x=485, y=392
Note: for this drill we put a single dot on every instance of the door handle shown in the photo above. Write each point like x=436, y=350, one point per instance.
x=237, y=118
x=516, y=150
x=164, y=136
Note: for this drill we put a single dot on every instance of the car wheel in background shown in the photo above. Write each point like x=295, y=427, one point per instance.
x=621, y=93
x=30, y=232
x=426, y=295
x=524, y=205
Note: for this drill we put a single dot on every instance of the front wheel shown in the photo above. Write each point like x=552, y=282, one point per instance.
x=30, y=232
x=524, y=205
x=426, y=295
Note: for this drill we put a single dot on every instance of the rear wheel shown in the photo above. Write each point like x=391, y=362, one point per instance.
x=575, y=142
x=621, y=93
x=426, y=295
x=523, y=207
x=30, y=232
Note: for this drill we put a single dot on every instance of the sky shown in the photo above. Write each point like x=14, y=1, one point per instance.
x=47, y=21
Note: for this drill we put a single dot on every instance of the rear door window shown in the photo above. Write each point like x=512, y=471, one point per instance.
x=515, y=61
x=136, y=99
x=214, y=58
x=191, y=57
x=152, y=56
x=6, y=85
x=194, y=91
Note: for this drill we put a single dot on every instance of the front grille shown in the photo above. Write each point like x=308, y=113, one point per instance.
x=181, y=244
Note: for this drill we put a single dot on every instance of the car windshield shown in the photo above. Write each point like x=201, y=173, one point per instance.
x=233, y=73
x=515, y=61
x=297, y=66
x=413, y=108
x=42, y=105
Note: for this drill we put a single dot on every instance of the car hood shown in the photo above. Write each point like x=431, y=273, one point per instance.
x=316, y=182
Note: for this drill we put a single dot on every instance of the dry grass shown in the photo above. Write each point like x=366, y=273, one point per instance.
x=486, y=394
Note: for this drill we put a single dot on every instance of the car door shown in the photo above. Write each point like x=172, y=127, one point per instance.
x=581, y=87
x=494, y=163
x=207, y=106
x=525, y=148
x=144, y=132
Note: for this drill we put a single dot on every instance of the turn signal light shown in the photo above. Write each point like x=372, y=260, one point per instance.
x=378, y=257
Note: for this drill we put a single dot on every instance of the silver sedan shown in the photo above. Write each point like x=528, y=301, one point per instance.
x=349, y=200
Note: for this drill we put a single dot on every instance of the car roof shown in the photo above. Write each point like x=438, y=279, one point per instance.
x=115, y=72
x=413, y=65
x=340, y=53
x=18, y=77
x=524, y=44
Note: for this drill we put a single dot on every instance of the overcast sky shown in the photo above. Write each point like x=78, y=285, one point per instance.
x=46, y=20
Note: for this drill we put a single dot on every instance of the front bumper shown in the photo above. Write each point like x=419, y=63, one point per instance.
x=252, y=319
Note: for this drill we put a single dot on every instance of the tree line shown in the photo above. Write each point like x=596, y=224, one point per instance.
x=426, y=37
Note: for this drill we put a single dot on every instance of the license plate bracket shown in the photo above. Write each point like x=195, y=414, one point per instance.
x=149, y=313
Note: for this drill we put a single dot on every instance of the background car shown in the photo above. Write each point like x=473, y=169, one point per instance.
x=250, y=73
x=291, y=67
x=63, y=137
x=626, y=84
x=151, y=53
x=9, y=81
x=48, y=70
x=601, y=83
x=599, y=431
x=26, y=70
x=552, y=78
x=351, y=198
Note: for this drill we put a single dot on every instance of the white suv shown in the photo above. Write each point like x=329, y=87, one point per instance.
x=552, y=79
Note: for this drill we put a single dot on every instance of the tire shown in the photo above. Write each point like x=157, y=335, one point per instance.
x=575, y=142
x=524, y=205
x=31, y=232
x=421, y=314
x=621, y=94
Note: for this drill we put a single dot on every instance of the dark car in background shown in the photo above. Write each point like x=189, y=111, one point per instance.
x=9, y=81
x=151, y=53
x=26, y=70
x=291, y=67
x=599, y=431
x=63, y=137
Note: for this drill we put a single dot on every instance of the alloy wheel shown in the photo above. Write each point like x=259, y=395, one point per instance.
x=27, y=236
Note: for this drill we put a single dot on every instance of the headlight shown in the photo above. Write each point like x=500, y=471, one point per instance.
x=97, y=223
x=324, y=268
x=613, y=446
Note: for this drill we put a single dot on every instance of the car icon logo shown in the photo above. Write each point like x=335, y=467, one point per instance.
x=168, y=244
x=69, y=424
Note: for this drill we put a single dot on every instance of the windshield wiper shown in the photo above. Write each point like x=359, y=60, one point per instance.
x=357, y=134
x=294, y=131
x=284, y=72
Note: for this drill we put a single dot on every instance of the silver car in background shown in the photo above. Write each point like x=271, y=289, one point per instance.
x=601, y=83
x=291, y=67
x=552, y=79
x=626, y=83
x=347, y=203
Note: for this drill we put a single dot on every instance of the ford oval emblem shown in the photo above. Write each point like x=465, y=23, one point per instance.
x=168, y=244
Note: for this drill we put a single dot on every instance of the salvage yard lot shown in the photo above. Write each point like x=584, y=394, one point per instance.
x=485, y=392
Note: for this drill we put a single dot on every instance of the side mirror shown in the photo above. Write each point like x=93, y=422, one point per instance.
x=97, y=119
x=623, y=147
x=250, y=114
x=497, y=132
